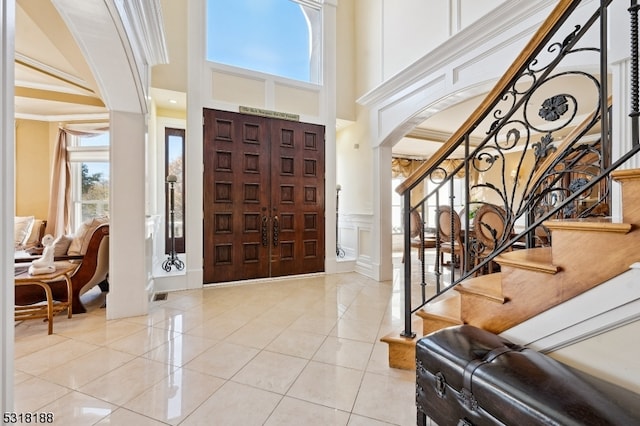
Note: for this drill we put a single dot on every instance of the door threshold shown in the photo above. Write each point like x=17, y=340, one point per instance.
x=265, y=280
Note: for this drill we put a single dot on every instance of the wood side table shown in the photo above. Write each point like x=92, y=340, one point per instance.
x=51, y=308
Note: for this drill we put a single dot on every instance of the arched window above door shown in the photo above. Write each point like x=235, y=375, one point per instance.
x=278, y=37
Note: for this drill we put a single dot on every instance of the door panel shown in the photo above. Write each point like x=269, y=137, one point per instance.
x=297, y=197
x=236, y=182
x=263, y=197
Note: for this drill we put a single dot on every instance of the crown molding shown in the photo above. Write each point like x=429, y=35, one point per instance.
x=142, y=20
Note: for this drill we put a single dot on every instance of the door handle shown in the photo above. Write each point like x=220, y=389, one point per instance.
x=276, y=230
x=265, y=232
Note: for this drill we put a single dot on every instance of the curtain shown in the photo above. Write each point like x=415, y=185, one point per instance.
x=59, y=215
x=60, y=191
x=403, y=167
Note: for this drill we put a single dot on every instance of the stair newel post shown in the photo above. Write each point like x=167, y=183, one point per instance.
x=437, y=266
x=452, y=229
x=406, y=201
x=423, y=271
x=467, y=205
x=635, y=90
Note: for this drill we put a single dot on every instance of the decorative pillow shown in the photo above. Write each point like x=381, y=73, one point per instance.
x=61, y=245
x=22, y=226
x=82, y=236
x=34, y=236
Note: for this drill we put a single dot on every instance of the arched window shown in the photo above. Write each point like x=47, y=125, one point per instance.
x=279, y=37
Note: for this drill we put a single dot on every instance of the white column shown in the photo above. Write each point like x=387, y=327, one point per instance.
x=7, y=160
x=382, y=259
x=127, y=266
x=328, y=106
x=194, y=160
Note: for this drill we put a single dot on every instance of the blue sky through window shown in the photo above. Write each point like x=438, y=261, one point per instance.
x=270, y=36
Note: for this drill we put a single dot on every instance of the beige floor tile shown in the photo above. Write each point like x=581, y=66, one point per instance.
x=143, y=341
x=271, y=371
x=314, y=324
x=173, y=398
x=222, y=360
x=33, y=394
x=296, y=343
x=327, y=385
x=180, y=350
x=110, y=332
x=54, y=356
x=295, y=412
x=256, y=334
x=241, y=347
x=123, y=416
x=76, y=408
x=235, y=404
x=30, y=343
x=356, y=420
x=219, y=327
x=128, y=381
x=387, y=398
x=87, y=368
x=344, y=352
x=363, y=331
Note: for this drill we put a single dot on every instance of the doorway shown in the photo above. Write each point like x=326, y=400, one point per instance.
x=263, y=197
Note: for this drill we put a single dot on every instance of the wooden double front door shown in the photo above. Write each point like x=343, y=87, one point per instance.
x=263, y=197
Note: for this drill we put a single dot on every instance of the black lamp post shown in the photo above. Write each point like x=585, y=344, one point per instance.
x=339, y=251
x=173, y=256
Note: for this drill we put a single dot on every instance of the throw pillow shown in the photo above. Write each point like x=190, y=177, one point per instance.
x=22, y=226
x=61, y=245
x=83, y=235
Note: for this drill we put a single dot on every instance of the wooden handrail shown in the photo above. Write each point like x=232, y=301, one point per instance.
x=555, y=19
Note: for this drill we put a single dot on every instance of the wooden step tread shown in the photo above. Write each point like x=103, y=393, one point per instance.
x=396, y=338
x=597, y=224
x=534, y=259
x=447, y=310
x=488, y=286
x=626, y=174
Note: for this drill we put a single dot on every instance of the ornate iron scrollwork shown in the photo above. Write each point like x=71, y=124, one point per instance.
x=276, y=231
x=265, y=231
x=553, y=108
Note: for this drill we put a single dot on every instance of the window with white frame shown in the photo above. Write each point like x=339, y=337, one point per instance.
x=89, y=161
x=279, y=37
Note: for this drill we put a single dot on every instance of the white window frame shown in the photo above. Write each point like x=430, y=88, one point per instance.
x=76, y=156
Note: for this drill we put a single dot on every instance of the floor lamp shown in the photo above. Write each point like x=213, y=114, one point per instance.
x=339, y=251
x=173, y=256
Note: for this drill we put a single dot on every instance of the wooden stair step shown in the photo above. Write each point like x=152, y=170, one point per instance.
x=488, y=286
x=402, y=350
x=440, y=314
x=534, y=259
x=593, y=224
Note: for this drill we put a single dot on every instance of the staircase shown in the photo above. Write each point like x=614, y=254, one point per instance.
x=585, y=253
x=566, y=193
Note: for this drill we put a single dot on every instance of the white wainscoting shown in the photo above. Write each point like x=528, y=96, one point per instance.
x=355, y=237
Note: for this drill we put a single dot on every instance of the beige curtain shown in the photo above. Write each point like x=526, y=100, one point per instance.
x=60, y=191
x=59, y=215
x=403, y=167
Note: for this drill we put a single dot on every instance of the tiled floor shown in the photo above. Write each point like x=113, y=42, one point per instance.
x=292, y=351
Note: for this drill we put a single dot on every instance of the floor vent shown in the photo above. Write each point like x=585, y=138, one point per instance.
x=159, y=296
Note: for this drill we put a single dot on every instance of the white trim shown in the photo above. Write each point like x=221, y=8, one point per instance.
x=142, y=20
x=100, y=116
x=7, y=162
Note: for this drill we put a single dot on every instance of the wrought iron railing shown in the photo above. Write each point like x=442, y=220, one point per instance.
x=538, y=147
